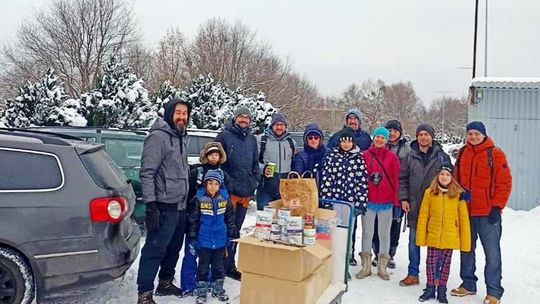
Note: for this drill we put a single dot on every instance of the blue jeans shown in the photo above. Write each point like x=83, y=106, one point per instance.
x=161, y=250
x=188, y=273
x=414, y=254
x=490, y=237
x=263, y=198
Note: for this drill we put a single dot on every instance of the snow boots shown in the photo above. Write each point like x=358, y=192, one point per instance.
x=200, y=292
x=365, y=271
x=167, y=288
x=381, y=266
x=145, y=298
x=429, y=293
x=218, y=291
x=409, y=281
x=441, y=294
x=234, y=274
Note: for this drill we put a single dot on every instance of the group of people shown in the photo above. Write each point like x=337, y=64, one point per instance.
x=384, y=178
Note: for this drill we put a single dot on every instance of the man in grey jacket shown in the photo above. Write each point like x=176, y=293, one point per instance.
x=275, y=146
x=417, y=171
x=164, y=178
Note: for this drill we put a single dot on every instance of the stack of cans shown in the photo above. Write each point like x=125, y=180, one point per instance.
x=294, y=230
x=263, y=225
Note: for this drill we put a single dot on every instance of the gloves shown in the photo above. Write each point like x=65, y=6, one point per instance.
x=465, y=195
x=152, y=216
x=397, y=212
x=495, y=216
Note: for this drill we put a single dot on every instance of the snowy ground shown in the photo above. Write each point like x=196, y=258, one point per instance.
x=521, y=279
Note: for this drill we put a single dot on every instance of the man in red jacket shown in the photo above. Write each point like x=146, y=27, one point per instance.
x=483, y=169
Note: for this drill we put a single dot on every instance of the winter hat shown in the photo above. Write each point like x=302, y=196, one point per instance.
x=425, y=127
x=215, y=175
x=394, y=124
x=346, y=134
x=169, y=111
x=212, y=147
x=312, y=129
x=354, y=112
x=278, y=117
x=242, y=111
x=478, y=126
x=446, y=166
x=381, y=131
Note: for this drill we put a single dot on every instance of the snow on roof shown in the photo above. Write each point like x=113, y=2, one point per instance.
x=507, y=82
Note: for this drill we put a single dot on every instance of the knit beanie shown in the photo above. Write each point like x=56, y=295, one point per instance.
x=346, y=134
x=381, y=131
x=354, y=112
x=242, y=111
x=394, y=124
x=446, y=166
x=426, y=127
x=478, y=126
x=215, y=175
x=278, y=117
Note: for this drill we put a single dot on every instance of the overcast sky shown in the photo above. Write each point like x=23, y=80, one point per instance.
x=336, y=43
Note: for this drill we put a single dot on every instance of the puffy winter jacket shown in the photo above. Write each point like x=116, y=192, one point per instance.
x=344, y=177
x=242, y=163
x=387, y=189
x=164, y=168
x=196, y=176
x=212, y=219
x=443, y=223
x=416, y=175
x=402, y=148
x=487, y=188
x=361, y=138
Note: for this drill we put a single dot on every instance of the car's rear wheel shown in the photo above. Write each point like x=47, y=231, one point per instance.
x=16, y=279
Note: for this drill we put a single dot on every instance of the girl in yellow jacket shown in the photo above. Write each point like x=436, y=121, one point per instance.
x=443, y=225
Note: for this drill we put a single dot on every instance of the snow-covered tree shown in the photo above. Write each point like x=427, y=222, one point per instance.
x=43, y=103
x=119, y=100
x=214, y=103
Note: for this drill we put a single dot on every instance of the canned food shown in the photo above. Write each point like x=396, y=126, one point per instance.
x=294, y=223
x=284, y=213
x=310, y=232
x=296, y=239
x=309, y=219
x=309, y=240
x=276, y=228
x=270, y=209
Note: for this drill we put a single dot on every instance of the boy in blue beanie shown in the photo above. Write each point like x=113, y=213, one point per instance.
x=212, y=224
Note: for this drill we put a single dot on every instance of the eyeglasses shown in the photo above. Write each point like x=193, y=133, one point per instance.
x=313, y=137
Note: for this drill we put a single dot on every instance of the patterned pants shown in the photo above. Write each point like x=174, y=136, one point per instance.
x=438, y=265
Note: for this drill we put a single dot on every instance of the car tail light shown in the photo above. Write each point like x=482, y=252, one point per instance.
x=108, y=209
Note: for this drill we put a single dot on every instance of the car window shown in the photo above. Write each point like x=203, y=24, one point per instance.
x=193, y=147
x=126, y=153
x=103, y=170
x=41, y=171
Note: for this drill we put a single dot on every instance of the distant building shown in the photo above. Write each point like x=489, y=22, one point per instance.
x=510, y=109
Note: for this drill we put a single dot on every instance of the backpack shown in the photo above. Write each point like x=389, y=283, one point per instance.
x=490, y=163
x=264, y=139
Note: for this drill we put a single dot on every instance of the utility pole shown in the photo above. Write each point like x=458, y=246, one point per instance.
x=486, y=42
x=475, y=36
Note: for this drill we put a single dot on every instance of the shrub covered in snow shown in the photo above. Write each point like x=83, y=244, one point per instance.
x=119, y=101
x=43, y=103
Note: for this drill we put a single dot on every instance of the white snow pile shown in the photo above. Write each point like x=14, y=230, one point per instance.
x=520, y=251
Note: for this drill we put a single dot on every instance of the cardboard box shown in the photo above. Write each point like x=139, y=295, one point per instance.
x=292, y=263
x=260, y=289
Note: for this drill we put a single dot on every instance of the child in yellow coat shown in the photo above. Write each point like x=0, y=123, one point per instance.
x=443, y=225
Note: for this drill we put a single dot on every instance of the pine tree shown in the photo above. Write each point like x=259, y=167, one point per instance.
x=120, y=99
x=43, y=103
x=214, y=103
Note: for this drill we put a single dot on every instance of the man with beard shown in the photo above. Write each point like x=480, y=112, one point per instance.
x=242, y=166
x=164, y=178
x=275, y=146
x=417, y=171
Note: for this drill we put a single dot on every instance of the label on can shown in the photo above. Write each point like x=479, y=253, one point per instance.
x=295, y=239
x=276, y=228
x=284, y=213
x=310, y=232
x=294, y=223
x=272, y=168
x=309, y=240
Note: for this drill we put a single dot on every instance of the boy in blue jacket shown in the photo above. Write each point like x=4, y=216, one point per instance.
x=211, y=223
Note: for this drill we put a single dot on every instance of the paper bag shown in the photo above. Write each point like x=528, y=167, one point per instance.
x=299, y=193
